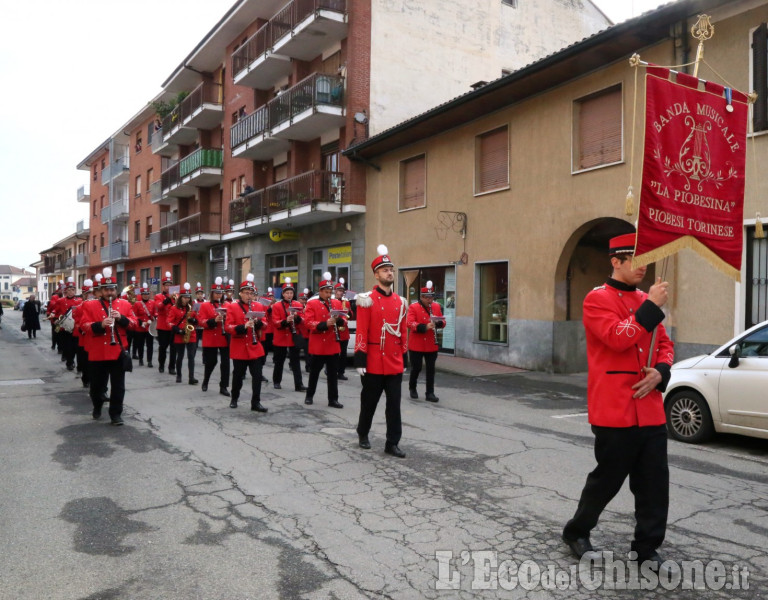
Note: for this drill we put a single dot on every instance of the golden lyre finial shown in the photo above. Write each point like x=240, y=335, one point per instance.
x=702, y=30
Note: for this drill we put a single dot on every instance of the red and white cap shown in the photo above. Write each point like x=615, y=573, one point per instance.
x=288, y=285
x=168, y=279
x=230, y=286
x=144, y=289
x=326, y=281
x=97, y=280
x=382, y=260
x=186, y=290
x=270, y=293
x=428, y=290
x=622, y=244
x=304, y=295
x=218, y=285
x=133, y=280
x=87, y=285
x=199, y=287
x=71, y=283
x=340, y=285
x=248, y=283
x=107, y=281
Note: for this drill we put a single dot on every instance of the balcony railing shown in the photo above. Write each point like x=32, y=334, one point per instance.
x=69, y=262
x=118, y=166
x=254, y=47
x=155, y=191
x=82, y=196
x=115, y=251
x=191, y=227
x=290, y=194
x=118, y=210
x=80, y=226
x=82, y=260
x=257, y=123
x=312, y=92
x=304, y=27
x=170, y=177
x=199, y=159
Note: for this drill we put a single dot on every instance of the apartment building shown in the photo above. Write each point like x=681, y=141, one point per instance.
x=236, y=166
x=69, y=257
x=506, y=197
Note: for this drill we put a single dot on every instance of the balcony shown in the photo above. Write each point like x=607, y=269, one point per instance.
x=308, y=109
x=192, y=233
x=250, y=137
x=69, y=262
x=117, y=168
x=113, y=252
x=255, y=65
x=156, y=192
x=201, y=109
x=170, y=182
x=117, y=211
x=160, y=146
x=82, y=260
x=82, y=196
x=304, y=28
x=312, y=197
x=154, y=242
x=80, y=226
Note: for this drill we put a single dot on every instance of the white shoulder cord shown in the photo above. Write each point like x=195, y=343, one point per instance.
x=388, y=328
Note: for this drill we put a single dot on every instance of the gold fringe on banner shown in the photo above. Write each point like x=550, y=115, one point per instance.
x=692, y=243
x=759, y=233
x=629, y=203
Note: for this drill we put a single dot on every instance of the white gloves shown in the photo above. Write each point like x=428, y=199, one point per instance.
x=360, y=371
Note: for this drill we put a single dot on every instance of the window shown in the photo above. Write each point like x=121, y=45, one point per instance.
x=149, y=226
x=101, y=203
x=241, y=184
x=95, y=214
x=80, y=280
x=760, y=77
x=492, y=289
x=757, y=275
x=144, y=276
x=94, y=244
x=137, y=231
x=280, y=172
x=329, y=156
x=282, y=266
x=101, y=240
x=492, y=160
x=233, y=190
x=138, y=185
x=150, y=131
x=597, y=120
x=138, y=143
x=413, y=177
x=150, y=177
x=103, y=164
x=94, y=172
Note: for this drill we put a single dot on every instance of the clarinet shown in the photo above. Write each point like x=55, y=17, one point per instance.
x=254, y=339
x=113, y=341
x=293, y=326
x=429, y=312
x=335, y=328
x=223, y=331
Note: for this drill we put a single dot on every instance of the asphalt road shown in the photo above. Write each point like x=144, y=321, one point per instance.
x=192, y=499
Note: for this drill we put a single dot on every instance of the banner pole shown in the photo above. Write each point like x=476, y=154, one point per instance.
x=702, y=30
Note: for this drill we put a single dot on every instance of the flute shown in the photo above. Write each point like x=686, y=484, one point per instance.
x=113, y=341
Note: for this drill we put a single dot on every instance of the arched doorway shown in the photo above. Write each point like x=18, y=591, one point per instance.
x=583, y=265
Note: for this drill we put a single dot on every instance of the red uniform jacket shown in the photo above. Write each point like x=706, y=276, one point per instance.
x=94, y=312
x=212, y=331
x=322, y=339
x=283, y=336
x=420, y=338
x=381, y=338
x=344, y=331
x=161, y=311
x=85, y=337
x=51, y=303
x=619, y=321
x=63, y=305
x=144, y=313
x=76, y=331
x=176, y=322
x=241, y=346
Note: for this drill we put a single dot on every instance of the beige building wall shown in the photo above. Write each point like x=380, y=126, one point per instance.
x=441, y=48
x=537, y=223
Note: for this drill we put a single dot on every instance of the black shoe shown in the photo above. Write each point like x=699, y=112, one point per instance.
x=224, y=391
x=414, y=394
x=430, y=397
x=193, y=381
x=363, y=442
x=161, y=368
x=86, y=384
x=579, y=546
x=141, y=362
x=233, y=404
x=308, y=400
x=394, y=451
x=342, y=377
x=258, y=407
x=653, y=561
x=96, y=414
x=301, y=388
x=277, y=386
x=204, y=387
x=171, y=371
x=178, y=378
x=70, y=367
x=149, y=364
x=116, y=421
x=134, y=356
x=104, y=399
x=264, y=379
x=335, y=404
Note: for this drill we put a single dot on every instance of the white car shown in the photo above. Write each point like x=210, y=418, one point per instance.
x=725, y=391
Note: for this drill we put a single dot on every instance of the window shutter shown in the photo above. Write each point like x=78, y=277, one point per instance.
x=493, y=160
x=760, y=77
x=413, y=183
x=600, y=130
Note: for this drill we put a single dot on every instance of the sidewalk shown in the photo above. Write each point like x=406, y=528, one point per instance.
x=470, y=367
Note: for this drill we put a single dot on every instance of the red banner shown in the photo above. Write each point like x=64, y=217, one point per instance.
x=692, y=193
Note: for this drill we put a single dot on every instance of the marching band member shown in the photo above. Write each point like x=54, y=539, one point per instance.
x=229, y=292
x=80, y=336
x=63, y=308
x=339, y=291
x=182, y=320
x=48, y=310
x=323, y=341
x=107, y=319
x=245, y=349
x=143, y=310
x=304, y=330
x=422, y=341
x=380, y=346
x=130, y=296
x=163, y=302
x=199, y=299
x=215, y=339
x=285, y=325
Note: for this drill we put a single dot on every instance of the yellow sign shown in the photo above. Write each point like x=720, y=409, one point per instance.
x=340, y=255
x=294, y=275
x=278, y=235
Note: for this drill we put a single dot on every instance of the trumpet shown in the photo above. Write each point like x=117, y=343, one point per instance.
x=113, y=341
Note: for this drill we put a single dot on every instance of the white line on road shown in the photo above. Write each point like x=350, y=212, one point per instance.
x=569, y=416
x=22, y=382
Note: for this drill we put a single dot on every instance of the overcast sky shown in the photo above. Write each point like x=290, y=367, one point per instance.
x=73, y=72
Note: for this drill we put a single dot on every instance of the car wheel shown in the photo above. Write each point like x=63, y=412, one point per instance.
x=688, y=417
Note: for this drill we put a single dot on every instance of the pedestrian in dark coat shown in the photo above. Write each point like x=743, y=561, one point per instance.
x=30, y=317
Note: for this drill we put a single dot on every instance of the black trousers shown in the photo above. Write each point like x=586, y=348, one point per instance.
x=130, y=336
x=641, y=453
x=141, y=340
x=82, y=365
x=330, y=361
x=103, y=371
x=191, y=352
x=165, y=339
x=267, y=344
x=294, y=362
x=68, y=347
x=54, y=336
x=238, y=371
x=344, y=344
x=373, y=386
x=429, y=358
x=211, y=358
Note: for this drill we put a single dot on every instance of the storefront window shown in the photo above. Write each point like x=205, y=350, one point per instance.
x=444, y=281
x=336, y=260
x=282, y=266
x=493, y=298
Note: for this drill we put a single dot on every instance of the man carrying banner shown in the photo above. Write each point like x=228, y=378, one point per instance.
x=628, y=371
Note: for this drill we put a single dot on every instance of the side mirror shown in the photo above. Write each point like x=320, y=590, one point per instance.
x=734, y=352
